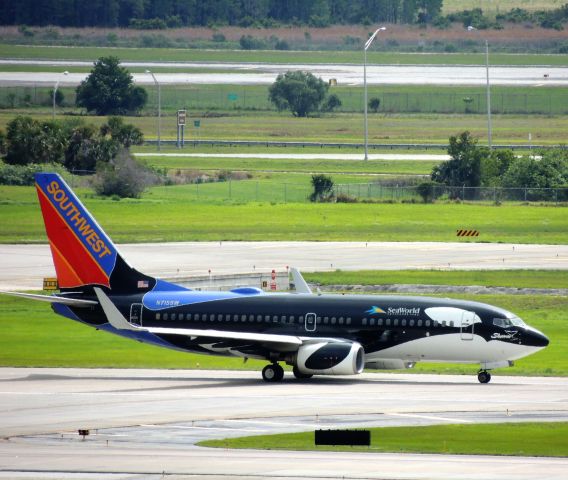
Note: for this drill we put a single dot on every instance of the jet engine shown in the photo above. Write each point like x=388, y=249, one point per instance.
x=330, y=358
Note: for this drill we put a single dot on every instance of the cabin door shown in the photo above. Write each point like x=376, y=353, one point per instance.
x=310, y=322
x=136, y=314
x=467, y=325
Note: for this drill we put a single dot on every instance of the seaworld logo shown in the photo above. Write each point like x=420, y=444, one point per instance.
x=374, y=310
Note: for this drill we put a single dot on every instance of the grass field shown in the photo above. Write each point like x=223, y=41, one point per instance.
x=489, y=278
x=398, y=99
x=492, y=7
x=34, y=336
x=522, y=439
x=383, y=129
x=175, y=214
x=271, y=56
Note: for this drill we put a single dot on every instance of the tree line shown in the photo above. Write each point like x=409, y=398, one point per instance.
x=177, y=13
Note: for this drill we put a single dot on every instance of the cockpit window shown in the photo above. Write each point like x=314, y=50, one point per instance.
x=508, y=322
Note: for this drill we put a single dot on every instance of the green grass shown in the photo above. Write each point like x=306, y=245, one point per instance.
x=393, y=167
x=518, y=439
x=271, y=56
x=32, y=335
x=345, y=127
x=394, y=98
x=175, y=213
x=492, y=7
x=490, y=278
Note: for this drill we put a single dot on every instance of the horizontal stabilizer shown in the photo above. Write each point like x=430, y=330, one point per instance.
x=117, y=320
x=299, y=282
x=74, y=302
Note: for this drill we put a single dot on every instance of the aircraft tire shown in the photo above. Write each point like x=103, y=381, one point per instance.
x=272, y=373
x=484, y=376
x=299, y=375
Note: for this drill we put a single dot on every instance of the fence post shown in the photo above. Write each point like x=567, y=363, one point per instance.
x=257, y=190
x=525, y=194
x=285, y=193
x=230, y=189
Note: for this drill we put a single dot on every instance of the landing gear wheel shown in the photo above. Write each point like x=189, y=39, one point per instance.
x=299, y=375
x=484, y=376
x=272, y=373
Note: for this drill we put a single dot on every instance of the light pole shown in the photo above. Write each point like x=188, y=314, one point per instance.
x=488, y=91
x=159, y=109
x=55, y=92
x=367, y=45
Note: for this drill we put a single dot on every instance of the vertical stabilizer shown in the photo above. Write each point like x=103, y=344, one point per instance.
x=83, y=254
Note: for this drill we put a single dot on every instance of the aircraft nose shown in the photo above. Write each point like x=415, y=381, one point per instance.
x=537, y=339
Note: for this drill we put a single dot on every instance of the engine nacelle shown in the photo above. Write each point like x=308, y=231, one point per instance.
x=331, y=358
x=389, y=364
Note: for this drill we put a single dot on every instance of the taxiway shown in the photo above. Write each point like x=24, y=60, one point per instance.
x=144, y=423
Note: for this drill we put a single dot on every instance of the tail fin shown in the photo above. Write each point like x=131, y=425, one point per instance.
x=83, y=254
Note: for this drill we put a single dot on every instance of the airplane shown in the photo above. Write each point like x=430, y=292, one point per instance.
x=315, y=334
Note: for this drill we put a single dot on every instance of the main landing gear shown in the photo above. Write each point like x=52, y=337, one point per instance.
x=272, y=373
x=483, y=376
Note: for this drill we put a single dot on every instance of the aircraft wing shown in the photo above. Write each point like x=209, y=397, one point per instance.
x=74, y=302
x=117, y=320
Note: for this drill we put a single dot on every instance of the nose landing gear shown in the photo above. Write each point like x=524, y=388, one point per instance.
x=272, y=373
x=484, y=376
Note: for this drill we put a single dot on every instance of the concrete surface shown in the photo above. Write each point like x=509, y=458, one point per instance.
x=144, y=423
x=24, y=266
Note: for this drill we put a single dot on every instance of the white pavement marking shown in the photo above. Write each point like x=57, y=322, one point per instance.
x=431, y=417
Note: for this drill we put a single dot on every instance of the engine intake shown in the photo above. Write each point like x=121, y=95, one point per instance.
x=331, y=358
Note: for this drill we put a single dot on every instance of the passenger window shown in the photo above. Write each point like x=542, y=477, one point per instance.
x=220, y=317
x=333, y=320
x=419, y=323
x=243, y=318
x=380, y=322
x=259, y=318
x=173, y=316
x=372, y=322
x=301, y=319
x=411, y=323
x=435, y=323
x=364, y=321
x=348, y=321
x=292, y=319
x=267, y=318
x=388, y=322
x=326, y=320
x=452, y=323
x=403, y=322
x=395, y=323
x=427, y=323
x=498, y=322
x=283, y=319
x=340, y=320
x=165, y=316
x=443, y=323
x=275, y=319
x=157, y=316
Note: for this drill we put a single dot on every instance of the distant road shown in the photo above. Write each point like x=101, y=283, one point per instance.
x=306, y=156
x=24, y=266
x=264, y=73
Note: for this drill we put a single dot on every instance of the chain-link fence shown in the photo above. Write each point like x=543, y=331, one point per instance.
x=259, y=191
x=239, y=97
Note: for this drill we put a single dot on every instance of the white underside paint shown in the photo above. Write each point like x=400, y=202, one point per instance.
x=451, y=348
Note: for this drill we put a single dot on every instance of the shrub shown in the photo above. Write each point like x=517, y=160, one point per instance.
x=331, y=103
x=23, y=175
x=323, y=188
x=124, y=177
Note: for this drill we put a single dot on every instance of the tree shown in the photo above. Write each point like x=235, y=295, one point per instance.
x=550, y=171
x=87, y=149
x=427, y=190
x=109, y=90
x=297, y=91
x=331, y=103
x=323, y=188
x=125, y=134
x=59, y=97
x=374, y=104
x=31, y=141
x=464, y=168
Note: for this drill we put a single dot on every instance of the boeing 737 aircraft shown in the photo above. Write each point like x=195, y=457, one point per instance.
x=315, y=334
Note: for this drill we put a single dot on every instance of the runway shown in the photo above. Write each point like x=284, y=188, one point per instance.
x=144, y=423
x=24, y=266
x=266, y=73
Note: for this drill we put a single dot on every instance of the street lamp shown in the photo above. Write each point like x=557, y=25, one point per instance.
x=367, y=45
x=159, y=109
x=489, y=134
x=55, y=91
